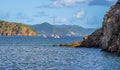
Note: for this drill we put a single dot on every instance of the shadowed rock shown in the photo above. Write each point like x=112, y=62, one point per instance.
x=108, y=37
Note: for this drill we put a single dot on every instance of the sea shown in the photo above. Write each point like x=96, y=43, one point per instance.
x=37, y=53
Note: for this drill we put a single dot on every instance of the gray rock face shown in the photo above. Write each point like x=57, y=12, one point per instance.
x=111, y=29
x=92, y=40
x=108, y=37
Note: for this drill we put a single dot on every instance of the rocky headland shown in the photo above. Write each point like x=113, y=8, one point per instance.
x=15, y=29
x=108, y=37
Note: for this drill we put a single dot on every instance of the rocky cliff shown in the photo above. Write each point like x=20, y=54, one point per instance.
x=107, y=37
x=15, y=29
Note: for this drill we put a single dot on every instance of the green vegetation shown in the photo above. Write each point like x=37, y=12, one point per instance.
x=15, y=29
x=62, y=30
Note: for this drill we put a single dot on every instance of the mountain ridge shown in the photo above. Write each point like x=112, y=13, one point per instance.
x=63, y=30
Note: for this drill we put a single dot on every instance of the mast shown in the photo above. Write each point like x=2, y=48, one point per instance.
x=54, y=19
x=54, y=24
x=55, y=35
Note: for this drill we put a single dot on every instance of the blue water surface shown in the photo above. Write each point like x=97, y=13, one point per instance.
x=36, y=53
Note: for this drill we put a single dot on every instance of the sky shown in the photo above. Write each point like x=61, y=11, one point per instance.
x=85, y=13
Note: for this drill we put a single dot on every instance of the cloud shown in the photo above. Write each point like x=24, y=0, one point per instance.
x=4, y=15
x=72, y=3
x=21, y=16
x=111, y=0
x=30, y=20
x=62, y=20
x=45, y=6
x=62, y=3
x=40, y=14
x=15, y=17
x=8, y=15
x=94, y=21
x=102, y=2
x=80, y=14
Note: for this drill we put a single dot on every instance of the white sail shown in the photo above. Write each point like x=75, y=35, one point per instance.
x=55, y=35
x=44, y=36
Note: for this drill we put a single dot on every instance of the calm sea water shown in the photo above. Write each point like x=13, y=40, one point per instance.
x=35, y=53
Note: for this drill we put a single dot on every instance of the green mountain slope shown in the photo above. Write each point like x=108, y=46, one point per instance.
x=63, y=30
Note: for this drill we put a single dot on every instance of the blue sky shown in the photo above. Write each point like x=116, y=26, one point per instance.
x=86, y=13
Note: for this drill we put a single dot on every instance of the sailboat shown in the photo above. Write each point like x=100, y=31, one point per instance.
x=55, y=35
x=44, y=36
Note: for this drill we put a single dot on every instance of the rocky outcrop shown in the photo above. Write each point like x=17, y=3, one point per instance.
x=92, y=40
x=15, y=29
x=107, y=37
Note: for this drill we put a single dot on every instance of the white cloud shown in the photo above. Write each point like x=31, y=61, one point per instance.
x=71, y=3
x=80, y=14
x=61, y=3
x=4, y=15
x=64, y=20
x=41, y=14
x=111, y=0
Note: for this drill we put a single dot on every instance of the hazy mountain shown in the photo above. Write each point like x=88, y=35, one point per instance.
x=62, y=30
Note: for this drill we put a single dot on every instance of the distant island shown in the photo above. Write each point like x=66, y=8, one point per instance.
x=20, y=29
x=63, y=30
x=15, y=29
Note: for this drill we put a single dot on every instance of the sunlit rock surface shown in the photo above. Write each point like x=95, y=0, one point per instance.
x=15, y=29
